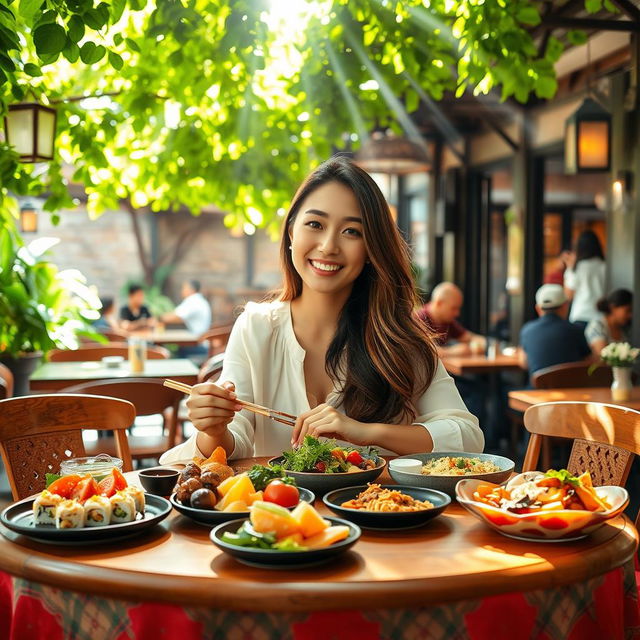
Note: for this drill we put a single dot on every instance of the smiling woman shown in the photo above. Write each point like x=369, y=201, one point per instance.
x=340, y=345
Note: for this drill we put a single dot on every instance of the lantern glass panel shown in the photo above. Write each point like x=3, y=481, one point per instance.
x=593, y=145
x=570, y=147
x=46, y=133
x=29, y=220
x=20, y=125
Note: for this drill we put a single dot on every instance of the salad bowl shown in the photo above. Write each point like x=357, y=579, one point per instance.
x=543, y=526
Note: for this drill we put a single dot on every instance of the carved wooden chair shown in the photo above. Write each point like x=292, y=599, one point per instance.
x=604, y=437
x=570, y=375
x=149, y=397
x=97, y=352
x=38, y=432
x=6, y=382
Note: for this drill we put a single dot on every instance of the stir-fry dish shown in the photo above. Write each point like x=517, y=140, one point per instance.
x=375, y=498
x=458, y=466
x=325, y=456
x=533, y=491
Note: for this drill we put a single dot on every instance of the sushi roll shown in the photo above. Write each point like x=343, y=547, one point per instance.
x=44, y=508
x=123, y=508
x=138, y=497
x=69, y=515
x=97, y=512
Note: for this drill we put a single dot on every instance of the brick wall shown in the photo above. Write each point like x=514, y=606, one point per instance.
x=105, y=251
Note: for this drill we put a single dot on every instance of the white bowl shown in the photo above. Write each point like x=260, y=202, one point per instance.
x=406, y=465
x=113, y=362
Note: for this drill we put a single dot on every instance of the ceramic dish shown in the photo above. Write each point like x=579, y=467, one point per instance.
x=447, y=484
x=19, y=518
x=274, y=559
x=387, y=520
x=549, y=526
x=321, y=483
x=211, y=516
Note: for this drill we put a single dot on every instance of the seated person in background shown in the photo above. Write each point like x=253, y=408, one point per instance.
x=612, y=323
x=441, y=314
x=134, y=315
x=195, y=313
x=551, y=339
x=106, y=320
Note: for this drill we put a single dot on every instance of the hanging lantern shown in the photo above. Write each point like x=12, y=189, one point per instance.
x=30, y=129
x=28, y=218
x=388, y=154
x=587, y=139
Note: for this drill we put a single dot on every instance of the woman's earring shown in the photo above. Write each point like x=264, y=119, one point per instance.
x=290, y=247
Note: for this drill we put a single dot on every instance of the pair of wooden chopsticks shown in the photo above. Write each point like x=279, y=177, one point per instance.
x=278, y=416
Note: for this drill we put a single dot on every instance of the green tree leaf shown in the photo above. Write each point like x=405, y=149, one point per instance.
x=593, y=6
x=28, y=8
x=32, y=70
x=528, y=15
x=49, y=39
x=576, y=37
x=546, y=87
x=115, y=60
x=90, y=53
x=71, y=52
x=76, y=28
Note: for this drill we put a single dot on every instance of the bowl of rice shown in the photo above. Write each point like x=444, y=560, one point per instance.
x=444, y=469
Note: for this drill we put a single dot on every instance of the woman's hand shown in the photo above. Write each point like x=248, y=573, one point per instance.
x=327, y=421
x=212, y=407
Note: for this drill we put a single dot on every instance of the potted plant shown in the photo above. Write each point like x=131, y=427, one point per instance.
x=41, y=307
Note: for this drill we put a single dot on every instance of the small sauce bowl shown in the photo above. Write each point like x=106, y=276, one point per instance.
x=406, y=465
x=159, y=482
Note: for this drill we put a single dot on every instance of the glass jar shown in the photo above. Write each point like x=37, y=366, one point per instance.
x=98, y=466
x=137, y=354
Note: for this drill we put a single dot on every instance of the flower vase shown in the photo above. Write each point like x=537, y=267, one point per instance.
x=621, y=385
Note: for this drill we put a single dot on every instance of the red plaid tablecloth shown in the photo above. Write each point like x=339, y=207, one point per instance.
x=603, y=608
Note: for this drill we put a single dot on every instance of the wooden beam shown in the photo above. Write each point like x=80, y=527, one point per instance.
x=499, y=130
x=590, y=23
x=626, y=6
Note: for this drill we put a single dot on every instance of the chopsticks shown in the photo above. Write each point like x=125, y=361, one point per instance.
x=278, y=416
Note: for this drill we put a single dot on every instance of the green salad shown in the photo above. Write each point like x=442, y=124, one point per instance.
x=247, y=536
x=325, y=456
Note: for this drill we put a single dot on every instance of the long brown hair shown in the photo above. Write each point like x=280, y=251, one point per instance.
x=381, y=354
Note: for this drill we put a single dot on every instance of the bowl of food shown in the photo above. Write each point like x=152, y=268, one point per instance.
x=375, y=506
x=553, y=506
x=443, y=470
x=322, y=465
x=211, y=494
x=158, y=481
x=275, y=538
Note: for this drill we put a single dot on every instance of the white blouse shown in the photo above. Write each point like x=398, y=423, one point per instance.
x=587, y=282
x=266, y=363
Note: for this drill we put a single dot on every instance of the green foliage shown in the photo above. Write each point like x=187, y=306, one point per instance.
x=41, y=308
x=248, y=127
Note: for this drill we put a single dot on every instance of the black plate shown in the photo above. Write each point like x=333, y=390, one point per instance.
x=272, y=559
x=393, y=520
x=211, y=516
x=321, y=483
x=19, y=518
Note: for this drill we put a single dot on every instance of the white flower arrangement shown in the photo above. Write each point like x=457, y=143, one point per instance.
x=619, y=354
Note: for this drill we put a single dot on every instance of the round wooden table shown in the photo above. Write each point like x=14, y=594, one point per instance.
x=453, y=558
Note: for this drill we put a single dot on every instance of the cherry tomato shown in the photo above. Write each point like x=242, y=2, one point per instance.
x=320, y=466
x=113, y=483
x=86, y=488
x=286, y=495
x=355, y=458
x=64, y=486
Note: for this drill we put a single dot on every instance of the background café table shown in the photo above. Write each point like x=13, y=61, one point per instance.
x=57, y=375
x=521, y=400
x=180, y=337
x=452, y=578
x=480, y=363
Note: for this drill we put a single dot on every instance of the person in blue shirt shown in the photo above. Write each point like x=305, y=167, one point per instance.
x=551, y=339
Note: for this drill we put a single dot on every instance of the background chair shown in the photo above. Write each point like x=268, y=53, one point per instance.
x=570, y=375
x=217, y=338
x=6, y=382
x=604, y=437
x=97, y=352
x=149, y=397
x=38, y=432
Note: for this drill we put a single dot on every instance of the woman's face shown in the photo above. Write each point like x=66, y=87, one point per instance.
x=621, y=316
x=327, y=245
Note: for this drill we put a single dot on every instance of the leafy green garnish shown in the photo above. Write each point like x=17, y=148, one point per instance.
x=564, y=476
x=261, y=475
x=50, y=478
x=461, y=463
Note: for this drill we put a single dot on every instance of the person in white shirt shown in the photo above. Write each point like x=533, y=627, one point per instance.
x=340, y=347
x=584, y=278
x=195, y=313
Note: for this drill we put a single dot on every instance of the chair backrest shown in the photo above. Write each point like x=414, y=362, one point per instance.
x=97, y=352
x=217, y=338
x=572, y=374
x=6, y=382
x=604, y=437
x=211, y=369
x=38, y=432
